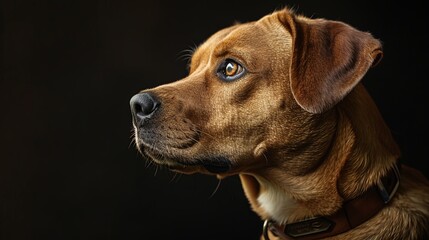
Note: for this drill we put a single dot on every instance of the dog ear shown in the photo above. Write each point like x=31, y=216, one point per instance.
x=329, y=59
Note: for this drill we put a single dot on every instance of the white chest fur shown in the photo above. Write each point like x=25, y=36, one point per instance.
x=276, y=202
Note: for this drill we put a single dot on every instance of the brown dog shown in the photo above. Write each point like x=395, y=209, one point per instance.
x=278, y=101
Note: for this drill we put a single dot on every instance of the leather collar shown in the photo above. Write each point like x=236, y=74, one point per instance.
x=353, y=213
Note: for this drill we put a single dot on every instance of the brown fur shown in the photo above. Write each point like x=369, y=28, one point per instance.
x=297, y=123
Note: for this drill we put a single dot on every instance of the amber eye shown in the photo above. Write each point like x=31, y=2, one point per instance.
x=230, y=70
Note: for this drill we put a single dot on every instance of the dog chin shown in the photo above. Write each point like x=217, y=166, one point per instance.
x=179, y=168
x=209, y=165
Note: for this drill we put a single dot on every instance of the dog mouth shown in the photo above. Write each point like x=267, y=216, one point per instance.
x=176, y=151
x=177, y=147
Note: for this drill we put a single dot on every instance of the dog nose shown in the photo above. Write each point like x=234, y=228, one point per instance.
x=143, y=105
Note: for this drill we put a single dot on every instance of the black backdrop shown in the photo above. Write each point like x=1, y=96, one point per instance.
x=68, y=70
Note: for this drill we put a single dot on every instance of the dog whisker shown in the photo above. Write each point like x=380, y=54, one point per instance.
x=133, y=138
x=186, y=54
x=179, y=175
x=132, y=143
x=216, y=189
x=266, y=159
x=175, y=177
x=208, y=135
x=148, y=163
x=156, y=170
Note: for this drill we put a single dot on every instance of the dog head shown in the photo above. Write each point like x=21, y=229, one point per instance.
x=257, y=96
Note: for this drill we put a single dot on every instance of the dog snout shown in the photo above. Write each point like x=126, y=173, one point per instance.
x=143, y=106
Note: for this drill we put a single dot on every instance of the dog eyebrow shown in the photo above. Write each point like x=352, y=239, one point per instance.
x=225, y=51
x=222, y=52
x=247, y=58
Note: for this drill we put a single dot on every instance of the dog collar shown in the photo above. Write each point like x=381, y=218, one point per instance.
x=353, y=213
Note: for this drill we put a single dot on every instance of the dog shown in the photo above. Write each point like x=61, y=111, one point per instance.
x=279, y=103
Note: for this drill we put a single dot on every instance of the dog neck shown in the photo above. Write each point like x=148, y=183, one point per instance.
x=285, y=197
x=277, y=203
x=362, y=151
x=374, y=151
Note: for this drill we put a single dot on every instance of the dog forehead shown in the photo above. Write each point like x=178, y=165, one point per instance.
x=217, y=39
x=264, y=34
x=245, y=37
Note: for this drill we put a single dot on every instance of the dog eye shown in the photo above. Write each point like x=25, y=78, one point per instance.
x=230, y=70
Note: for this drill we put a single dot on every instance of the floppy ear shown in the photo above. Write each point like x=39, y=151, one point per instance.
x=329, y=59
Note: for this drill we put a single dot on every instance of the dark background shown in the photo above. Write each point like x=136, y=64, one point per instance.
x=68, y=70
